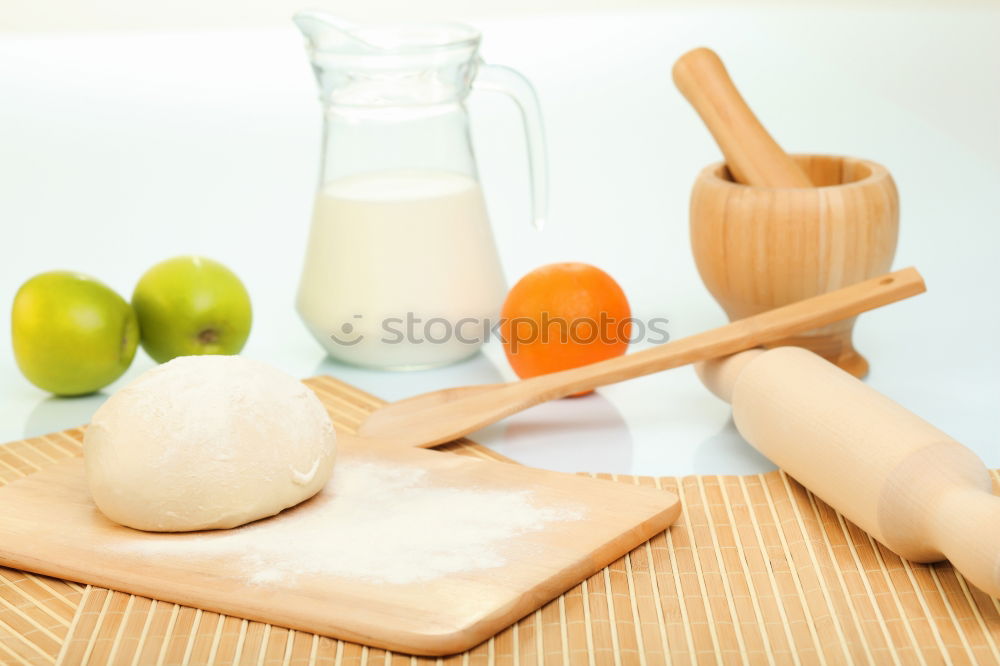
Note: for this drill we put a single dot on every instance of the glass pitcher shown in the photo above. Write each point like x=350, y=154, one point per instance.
x=401, y=270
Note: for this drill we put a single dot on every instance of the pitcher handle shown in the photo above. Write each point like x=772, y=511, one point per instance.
x=497, y=78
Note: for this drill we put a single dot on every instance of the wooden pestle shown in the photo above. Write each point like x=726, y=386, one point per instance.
x=752, y=155
x=909, y=485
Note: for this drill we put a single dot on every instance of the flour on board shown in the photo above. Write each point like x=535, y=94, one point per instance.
x=378, y=523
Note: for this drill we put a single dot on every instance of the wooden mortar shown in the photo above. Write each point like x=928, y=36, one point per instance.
x=758, y=248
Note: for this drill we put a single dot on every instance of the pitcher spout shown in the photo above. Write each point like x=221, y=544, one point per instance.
x=389, y=66
x=325, y=32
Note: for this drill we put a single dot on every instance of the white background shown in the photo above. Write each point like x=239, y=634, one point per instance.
x=127, y=144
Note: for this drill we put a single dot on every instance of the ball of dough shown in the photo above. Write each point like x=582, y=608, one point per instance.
x=206, y=442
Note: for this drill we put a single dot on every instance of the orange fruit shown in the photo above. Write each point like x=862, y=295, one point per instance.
x=563, y=316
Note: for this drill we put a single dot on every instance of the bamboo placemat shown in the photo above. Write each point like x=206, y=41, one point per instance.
x=756, y=570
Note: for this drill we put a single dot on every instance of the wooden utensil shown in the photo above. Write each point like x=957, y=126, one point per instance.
x=442, y=416
x=752, y=155
x=52, y=527
x=911, y=486
x=759, y=248
x=763, y=235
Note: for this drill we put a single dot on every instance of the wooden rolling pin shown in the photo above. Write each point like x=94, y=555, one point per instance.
x=909, y=485
x=752, y=155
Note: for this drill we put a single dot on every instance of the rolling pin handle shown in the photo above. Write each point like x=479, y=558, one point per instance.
x=719, y=374
x=967, y=530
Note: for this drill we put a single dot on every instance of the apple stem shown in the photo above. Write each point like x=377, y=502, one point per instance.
x=209, y=336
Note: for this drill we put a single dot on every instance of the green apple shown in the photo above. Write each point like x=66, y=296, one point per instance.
x=188, y=306
x=72, y=335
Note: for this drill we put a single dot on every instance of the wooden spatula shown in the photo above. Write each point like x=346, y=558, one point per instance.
x=752, y=155
x=442, y=416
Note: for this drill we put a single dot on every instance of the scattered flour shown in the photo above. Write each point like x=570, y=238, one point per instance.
x=374, y=522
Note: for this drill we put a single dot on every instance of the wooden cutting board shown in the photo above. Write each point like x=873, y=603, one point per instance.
x=50, y=526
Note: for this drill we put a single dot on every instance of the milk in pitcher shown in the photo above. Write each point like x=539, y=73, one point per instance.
x=401, y=269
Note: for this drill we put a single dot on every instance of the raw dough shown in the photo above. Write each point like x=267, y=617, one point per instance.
x=205, y=442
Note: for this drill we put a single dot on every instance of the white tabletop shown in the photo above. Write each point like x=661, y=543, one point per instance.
x=119, y=150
